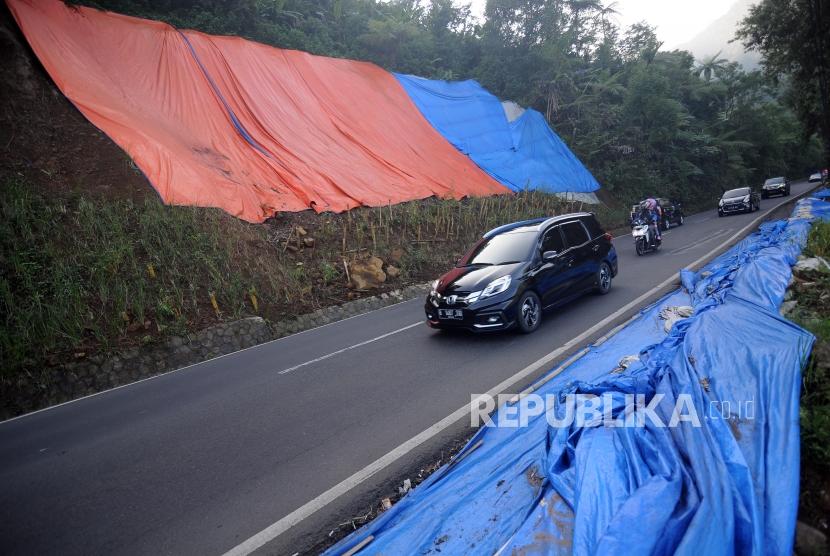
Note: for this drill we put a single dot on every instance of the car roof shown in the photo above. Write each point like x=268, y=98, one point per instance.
x=535, y=225
x=737, y=189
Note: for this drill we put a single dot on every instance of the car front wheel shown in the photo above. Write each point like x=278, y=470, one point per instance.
x=529, y=313
x=604, y=277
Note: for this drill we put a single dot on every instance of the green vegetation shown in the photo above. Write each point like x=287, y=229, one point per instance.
x=814, y=301
x=794, y=39
x=82, y=275
x=642, y=121
x=811, y=292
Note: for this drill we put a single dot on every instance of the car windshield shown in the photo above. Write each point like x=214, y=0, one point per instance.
x=742, y=192
x=510, y=247
x=773, y=181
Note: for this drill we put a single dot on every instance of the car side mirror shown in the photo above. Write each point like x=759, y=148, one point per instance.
x=548, y=256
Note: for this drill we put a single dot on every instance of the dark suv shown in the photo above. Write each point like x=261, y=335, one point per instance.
x=516, y=271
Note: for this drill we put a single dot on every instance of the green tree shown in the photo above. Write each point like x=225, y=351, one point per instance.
x=712, y=66
x=794, y=39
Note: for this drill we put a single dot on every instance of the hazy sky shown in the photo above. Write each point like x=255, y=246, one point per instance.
x=677, y=21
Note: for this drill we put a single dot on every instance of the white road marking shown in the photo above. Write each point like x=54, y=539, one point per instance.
x=700, y=243
x=231, y=354
x=309, y=508
x=357, y=345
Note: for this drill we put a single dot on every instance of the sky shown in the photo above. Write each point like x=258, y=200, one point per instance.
x=677, y=21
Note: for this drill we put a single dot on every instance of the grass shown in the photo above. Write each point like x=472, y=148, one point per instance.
x=83, y=275
x=812, y=293
x=815, y=398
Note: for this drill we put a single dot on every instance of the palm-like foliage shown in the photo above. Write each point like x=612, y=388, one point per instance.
x=712, y=66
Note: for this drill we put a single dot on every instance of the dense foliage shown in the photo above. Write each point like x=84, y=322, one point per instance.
x=794, y=39
x=641, y=119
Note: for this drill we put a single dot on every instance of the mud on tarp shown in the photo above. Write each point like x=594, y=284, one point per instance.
x=728, y=486
x=229, y=123
x=522, y=153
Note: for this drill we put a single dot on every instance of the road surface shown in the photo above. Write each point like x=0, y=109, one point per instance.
x=199, y=460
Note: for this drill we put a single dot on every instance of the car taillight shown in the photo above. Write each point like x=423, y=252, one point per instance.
x=608, y=236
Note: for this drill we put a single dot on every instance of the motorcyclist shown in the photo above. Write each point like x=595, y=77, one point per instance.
x=655, y=215
x=648, y=217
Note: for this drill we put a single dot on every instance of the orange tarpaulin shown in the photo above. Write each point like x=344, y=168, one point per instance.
x=229, y=123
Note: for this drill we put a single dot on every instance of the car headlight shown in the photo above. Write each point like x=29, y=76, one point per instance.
x=433, y=287
x=745, y=199
x=720, y=203
x=496, y=286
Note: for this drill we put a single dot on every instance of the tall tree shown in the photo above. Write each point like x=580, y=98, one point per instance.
x=794, y=38
x=712, y=66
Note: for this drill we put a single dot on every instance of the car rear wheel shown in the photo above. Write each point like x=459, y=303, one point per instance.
x=604, y=278
x=530, y=312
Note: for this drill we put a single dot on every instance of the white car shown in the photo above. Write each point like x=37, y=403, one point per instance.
x=815, y=177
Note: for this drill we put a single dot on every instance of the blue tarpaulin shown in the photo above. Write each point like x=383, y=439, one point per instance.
x=725, y=485
x=522, y=154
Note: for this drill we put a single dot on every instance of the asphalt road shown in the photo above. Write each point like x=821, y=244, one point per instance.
x=198, y=460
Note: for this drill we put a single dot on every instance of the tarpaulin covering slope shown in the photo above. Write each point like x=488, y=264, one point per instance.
x=728, y=486
x=229, y=123
x=522, y=154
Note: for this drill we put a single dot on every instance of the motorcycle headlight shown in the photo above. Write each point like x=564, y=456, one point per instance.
x=745, y=199
x=496, y=286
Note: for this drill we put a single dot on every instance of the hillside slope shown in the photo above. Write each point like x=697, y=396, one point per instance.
x=46, y=141
x=719, y=35
x=92, y=262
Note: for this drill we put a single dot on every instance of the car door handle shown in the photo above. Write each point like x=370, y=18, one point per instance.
x=595, y=248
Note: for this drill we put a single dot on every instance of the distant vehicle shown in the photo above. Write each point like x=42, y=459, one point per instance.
x=672, y=212
x=815, y=177
x=516, y=271
x=743, y=199
x=775, y=186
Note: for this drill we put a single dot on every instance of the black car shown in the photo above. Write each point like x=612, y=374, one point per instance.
x=743, y=199
x=515, y=271
x=672, y=212
x=775, y=186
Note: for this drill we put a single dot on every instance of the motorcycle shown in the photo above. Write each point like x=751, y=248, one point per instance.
x=645, y=237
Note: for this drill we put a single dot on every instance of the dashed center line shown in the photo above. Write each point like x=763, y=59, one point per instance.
x=345, y=349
